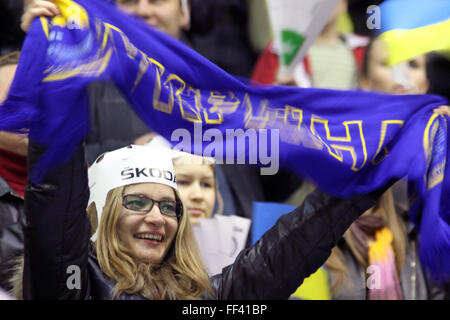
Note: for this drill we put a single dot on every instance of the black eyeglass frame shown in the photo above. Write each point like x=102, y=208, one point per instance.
x=178, y=205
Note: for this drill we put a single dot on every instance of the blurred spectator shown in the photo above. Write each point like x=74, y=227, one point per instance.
x=219, y=238
x=384, y=240
x=198, y=187
x=13, y=178
x=412, y=78
x=377, y=76
x=333, y=58
x=378, y=256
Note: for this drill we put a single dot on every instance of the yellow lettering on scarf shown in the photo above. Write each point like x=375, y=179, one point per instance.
x=289, y=119
x=335, y=149
x=224, y=104
x=188, y=112
x=255, y=121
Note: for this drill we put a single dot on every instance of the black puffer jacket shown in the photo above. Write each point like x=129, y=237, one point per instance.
x=11, y=237
x=57, y=237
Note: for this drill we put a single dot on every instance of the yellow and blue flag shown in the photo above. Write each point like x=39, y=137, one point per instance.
x=347, y=142
x=414, y=27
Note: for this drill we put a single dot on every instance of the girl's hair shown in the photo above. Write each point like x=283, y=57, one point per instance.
x=181, y=274
x=337, y=263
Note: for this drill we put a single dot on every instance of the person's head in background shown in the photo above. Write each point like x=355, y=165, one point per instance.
x=170, y=16
x=197, y=185
x=9, y=141
x=376, y=75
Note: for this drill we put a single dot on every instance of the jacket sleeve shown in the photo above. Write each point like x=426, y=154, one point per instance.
x=298, y=244
x=56, y=231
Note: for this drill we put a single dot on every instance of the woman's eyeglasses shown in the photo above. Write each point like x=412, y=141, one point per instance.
x=140, y=203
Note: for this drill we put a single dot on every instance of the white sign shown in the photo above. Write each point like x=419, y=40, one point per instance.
x=220, y=240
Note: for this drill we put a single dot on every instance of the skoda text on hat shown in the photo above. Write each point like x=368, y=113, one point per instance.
x=129, y=165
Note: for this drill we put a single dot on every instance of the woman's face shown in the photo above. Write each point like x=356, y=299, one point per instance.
x=380, y=77
x=196, y=184
x=148, y=236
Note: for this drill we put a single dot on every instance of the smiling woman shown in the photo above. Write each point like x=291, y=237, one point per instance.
x=147, y=231
x=142, y=225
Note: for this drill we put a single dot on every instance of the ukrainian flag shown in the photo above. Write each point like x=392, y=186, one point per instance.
x=414, y=27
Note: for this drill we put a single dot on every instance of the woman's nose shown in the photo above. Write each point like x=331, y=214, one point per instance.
x=196, y=191
x=155, y=216
x=144, y=9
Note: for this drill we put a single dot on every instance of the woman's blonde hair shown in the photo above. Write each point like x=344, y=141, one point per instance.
x=181, y=274
x=337, y=264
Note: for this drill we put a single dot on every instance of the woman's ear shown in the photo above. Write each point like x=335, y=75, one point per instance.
x=185, y=18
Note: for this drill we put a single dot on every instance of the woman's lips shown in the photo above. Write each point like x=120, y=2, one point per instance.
x=151, y=242
x=196, y=212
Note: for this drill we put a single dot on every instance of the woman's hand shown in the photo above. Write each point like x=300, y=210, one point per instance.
x=35, y=9
x=442, y=111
